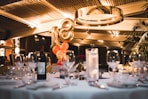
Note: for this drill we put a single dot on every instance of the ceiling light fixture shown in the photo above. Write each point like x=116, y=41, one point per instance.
x=114, y=33
x=100, y=41
x=98, y=15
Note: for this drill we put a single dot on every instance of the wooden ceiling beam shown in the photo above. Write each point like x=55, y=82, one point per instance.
x=16, y=18
x=134, y=7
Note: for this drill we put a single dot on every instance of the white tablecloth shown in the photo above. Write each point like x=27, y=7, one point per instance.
x=81, y=91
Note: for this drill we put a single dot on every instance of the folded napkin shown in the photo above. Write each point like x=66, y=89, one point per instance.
x=7, y=82
x=41, y=86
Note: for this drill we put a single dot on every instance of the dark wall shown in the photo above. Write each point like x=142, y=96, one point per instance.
x=102, y=53
x=30, y=44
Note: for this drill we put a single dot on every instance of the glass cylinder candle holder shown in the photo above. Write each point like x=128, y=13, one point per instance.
x=92, y=69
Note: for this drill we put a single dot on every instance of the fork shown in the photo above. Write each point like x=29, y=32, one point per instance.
x=94, y=84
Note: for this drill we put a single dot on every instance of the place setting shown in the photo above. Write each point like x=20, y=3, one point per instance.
x=121, y=79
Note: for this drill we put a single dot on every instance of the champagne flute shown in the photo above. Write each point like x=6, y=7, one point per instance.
x=113, y=60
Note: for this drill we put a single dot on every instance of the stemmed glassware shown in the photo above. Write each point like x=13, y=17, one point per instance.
x=69, y=65
x=137, y=61
x=132, y=60
x=11, y=72
x=113, y=61
x=16, y=71
x=18, y=65
x=30, y=75
x=32, y=62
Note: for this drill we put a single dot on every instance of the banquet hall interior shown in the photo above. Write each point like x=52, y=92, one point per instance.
x=31, y=21
x=28, y=26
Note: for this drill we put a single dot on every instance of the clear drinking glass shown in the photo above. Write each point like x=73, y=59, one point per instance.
x=11, y=72
x=132, y=60
x=31, y=66
x=31, y=63
x=19, y=64
x=92, y=69
x=69, y=66
x=113, y=61
x=137, y=61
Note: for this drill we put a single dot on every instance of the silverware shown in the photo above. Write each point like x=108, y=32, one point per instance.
x=144, y=81
x=134, y=85
x=94, y=84
x=59, y=87
x=20, y=86
x=142, y=85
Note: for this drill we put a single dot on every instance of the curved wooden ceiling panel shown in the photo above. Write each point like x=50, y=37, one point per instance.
x=29, y=17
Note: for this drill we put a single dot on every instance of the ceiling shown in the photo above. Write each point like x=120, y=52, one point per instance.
x=21, y=18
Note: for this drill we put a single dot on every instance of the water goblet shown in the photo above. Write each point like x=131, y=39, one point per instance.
x=113, y=61
x=69, y=66
x=19, y=64
x=31, y=64
x=11, y=72
x=137, y=61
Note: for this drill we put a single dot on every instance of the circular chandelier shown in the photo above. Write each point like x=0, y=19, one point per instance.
x=98, y=15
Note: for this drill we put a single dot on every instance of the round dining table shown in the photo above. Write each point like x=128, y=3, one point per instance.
x=55, y=88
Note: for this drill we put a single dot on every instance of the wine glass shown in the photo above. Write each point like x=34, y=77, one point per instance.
x=132, y=62
x=19, y=65
x=32, y=61
x=19, y=60
x=31, y=65
x=138, y=62
x=69, y=65
x=11, y=72
x=113, y=60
